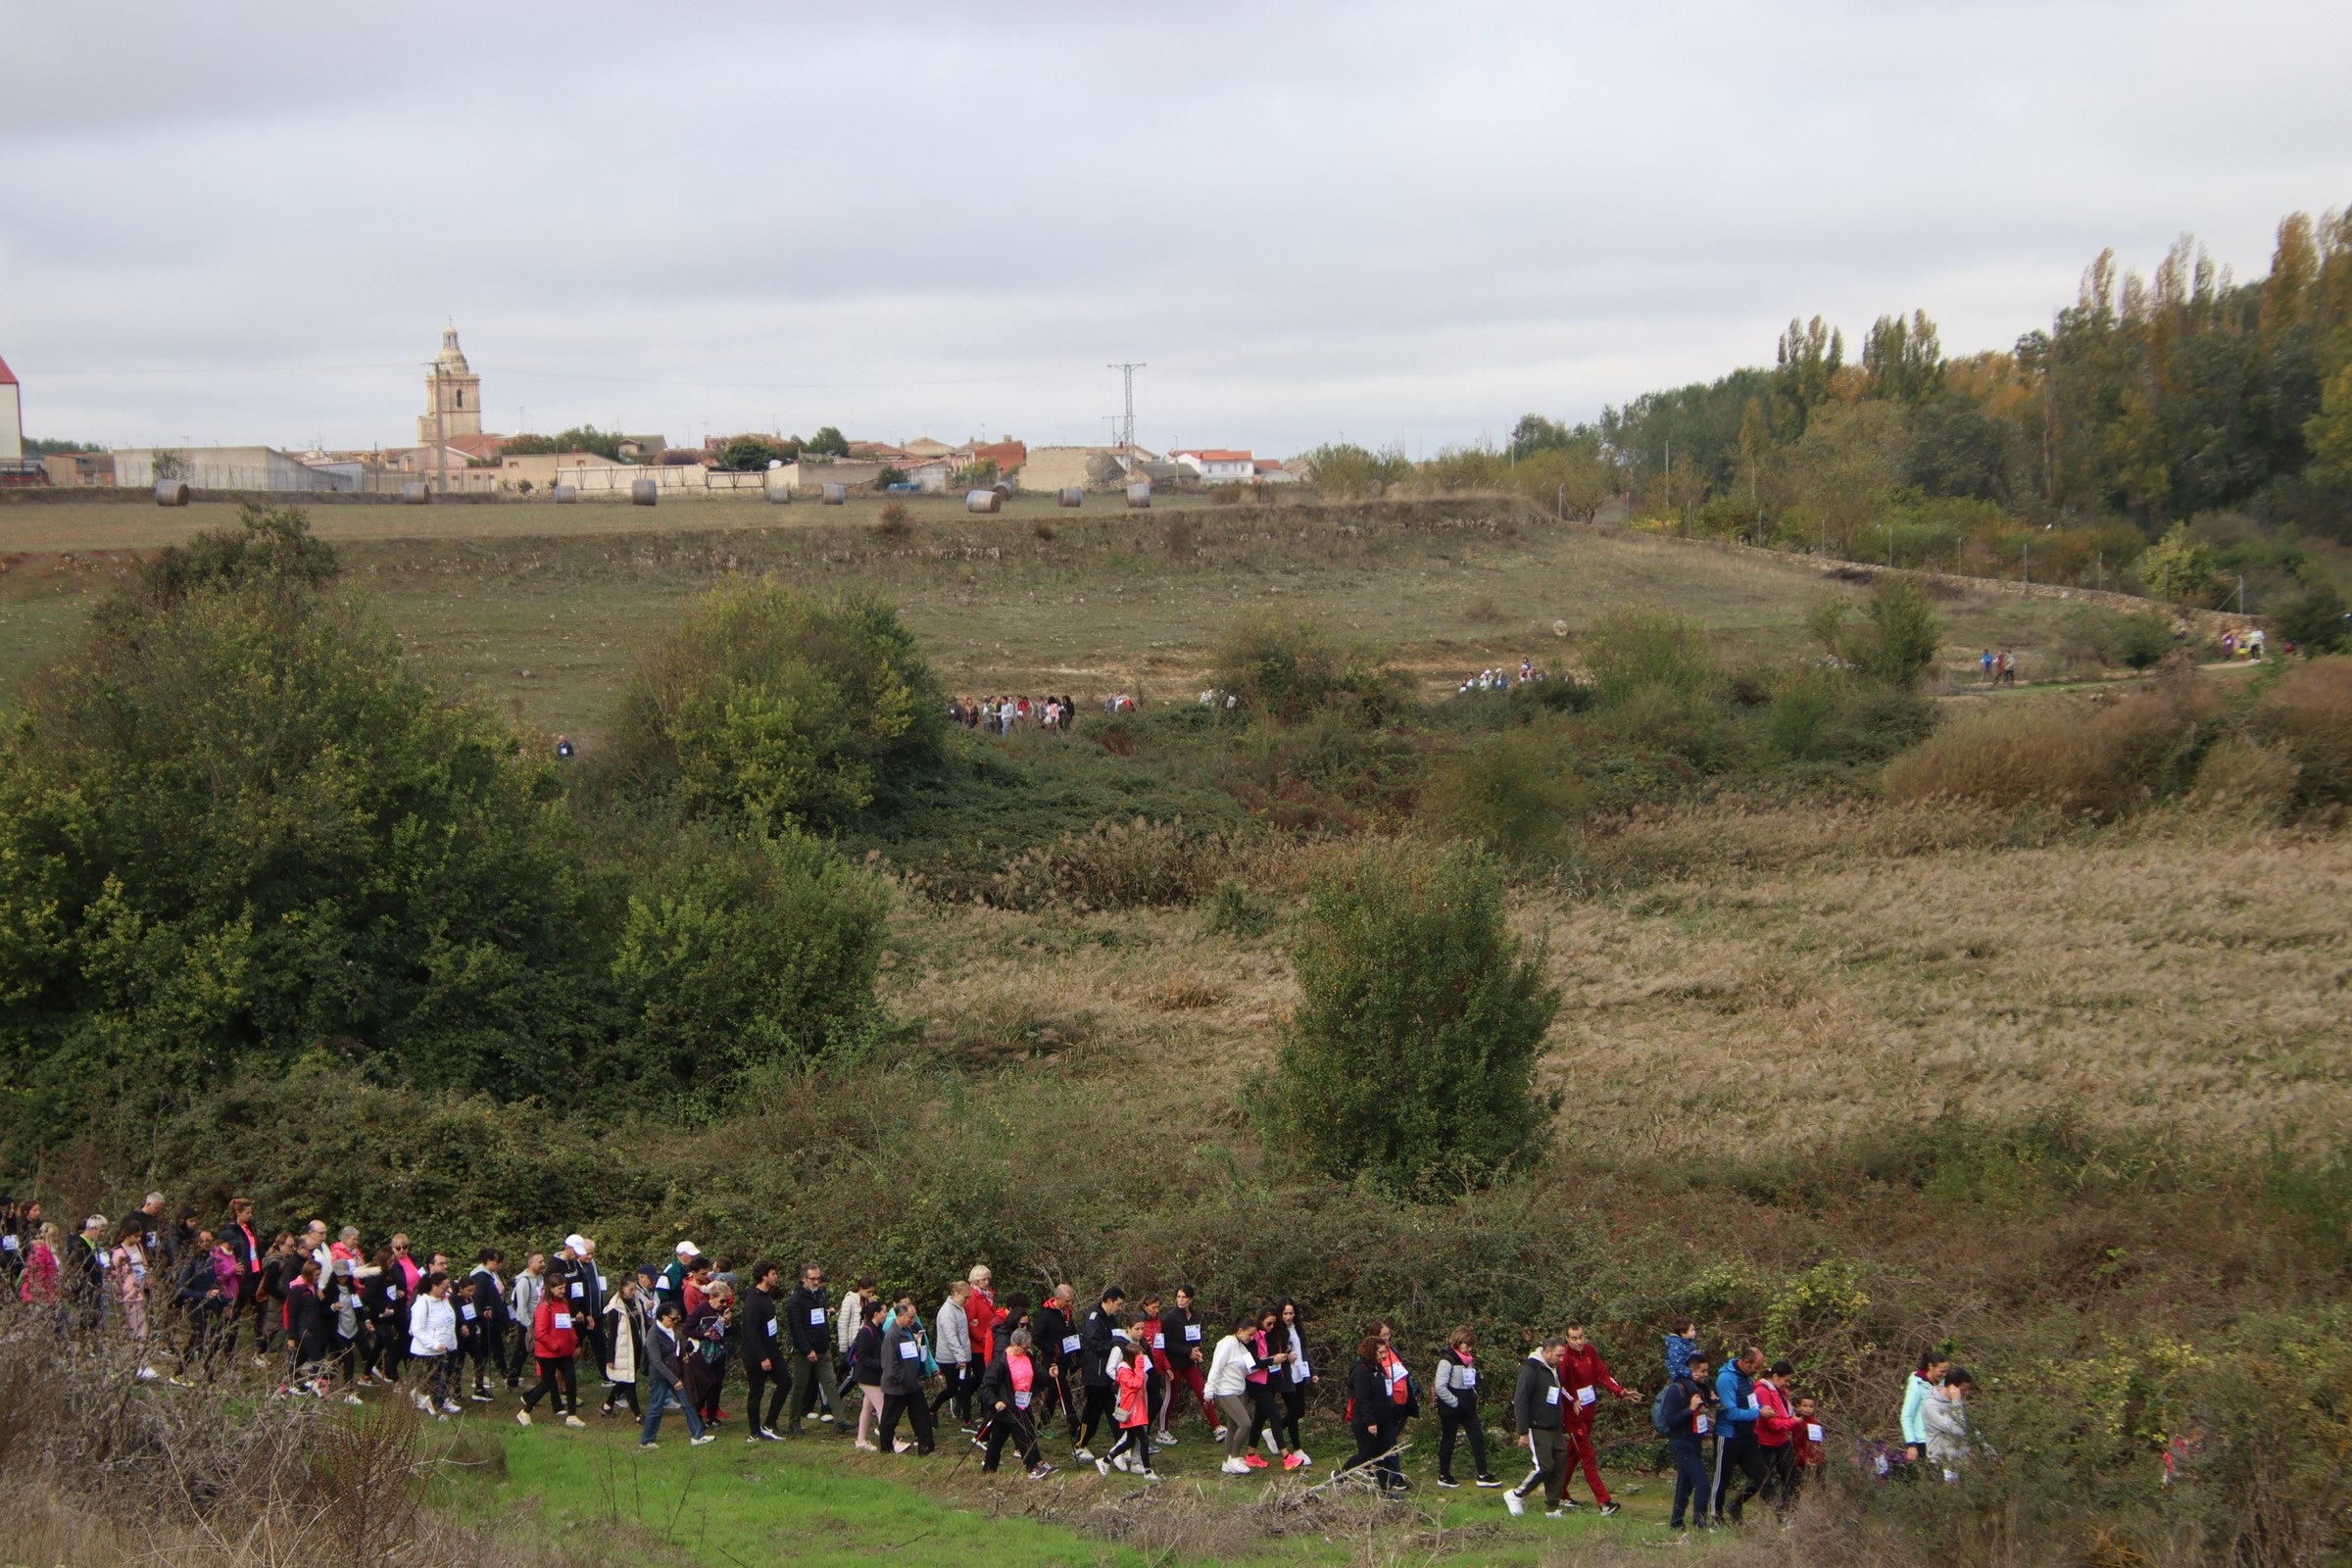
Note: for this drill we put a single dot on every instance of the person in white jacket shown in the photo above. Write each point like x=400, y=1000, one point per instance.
x=1228, y=1389
x=952, y=1349
x=433, y=1344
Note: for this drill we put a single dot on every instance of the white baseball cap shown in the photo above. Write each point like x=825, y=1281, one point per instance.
x=576, y=1242
x=689, y=1250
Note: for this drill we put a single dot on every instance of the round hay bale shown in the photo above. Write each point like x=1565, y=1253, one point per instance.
x=415, y=493
x=567, y=494
x=1139, y=495
x=171, y=492
x=990, y=501
x=834, y=495
x=644, y=492
x=1072, y=496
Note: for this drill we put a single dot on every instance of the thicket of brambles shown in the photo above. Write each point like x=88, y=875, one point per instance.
x=283, y=916
x=2168, y=434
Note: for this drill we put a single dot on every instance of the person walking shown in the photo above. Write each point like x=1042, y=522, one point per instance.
x=1058, y=1344
x=1228, y=1385
x=37, y=1284
x=1131, y=1410
x=1455, y=1386
x=812, y=1349
x=523, y=1305
x=246, y=1248
x=1536, y=1424
x=903, y=1380
x=766, y=1359
x=201, y=1293
x=1775, y=1431
x=1586, y=1377
x=1299, y=1377
x=1369, y=1401
x=1008, y=1399
x=433, y=1343
x=1265, y=1400
x=1180, y=1342
x=666, y=1380
x=982, y=1315
x=308, y=1330
x=1736, y=1444
x=952, y=1348
x=708, y=1330
x=483, y=1308
x=865, y=1370
x=556, y=1342
x=1951, y=1441
x=1682, y=1417
x=1917, y=1388
x=1402, y=1405
x=625, y=1344
x=1808, y=1449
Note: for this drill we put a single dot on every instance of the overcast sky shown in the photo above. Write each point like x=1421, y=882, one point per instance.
x=242, y=222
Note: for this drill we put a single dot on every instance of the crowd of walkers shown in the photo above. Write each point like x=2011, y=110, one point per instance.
x=332, y=1316
x=1001, y=715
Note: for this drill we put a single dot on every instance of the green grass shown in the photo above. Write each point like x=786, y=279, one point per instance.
x=815, y=1501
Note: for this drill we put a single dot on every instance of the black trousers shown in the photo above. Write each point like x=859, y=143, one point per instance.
x=1294, y=1410
x=812, y=1383
x=777, y=1384
x=1013, y=1426
x=1265, y=1414
x=489, y=1347
x=1779, y=1475
x=958, y=1394
x=1456, y=1421
x=1097, y=1410
x=1368, y=1444
x=918, y=1414
x=1136, y=1441
x=558, y=1378
x=1391, y=1429
x=1738, y=1453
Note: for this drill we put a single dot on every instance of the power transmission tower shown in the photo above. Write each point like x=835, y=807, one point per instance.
x=1127, y=431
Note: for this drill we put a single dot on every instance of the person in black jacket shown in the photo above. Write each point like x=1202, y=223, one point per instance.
x=246, y=1247
x=309, y=1326
x=1367, y=1396
x=1535, y=1419
x=1058, y=1344
x=865, y=1368
x=1455, y=1388
x=807, y=1316
x=384, y=1305
x=766, y=1362
x=1181, y=1334
x=1096, y=1337
x=202, y=1302
x=1685, y=1401
x=1009, y=1408
x=483, y=1308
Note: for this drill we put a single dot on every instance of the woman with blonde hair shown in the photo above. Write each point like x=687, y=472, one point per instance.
x=128, y=1269
x=40, y=1284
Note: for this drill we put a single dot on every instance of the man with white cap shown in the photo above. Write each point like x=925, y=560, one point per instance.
x=671, y=1287
x=592, y=1333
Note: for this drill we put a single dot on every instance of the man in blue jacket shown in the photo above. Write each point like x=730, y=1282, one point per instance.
x=1736, y=1446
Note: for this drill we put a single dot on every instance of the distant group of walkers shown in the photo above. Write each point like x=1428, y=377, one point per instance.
x=338, y=1317
x=1001, y=715
x=1500, y=680
x=1998, y=669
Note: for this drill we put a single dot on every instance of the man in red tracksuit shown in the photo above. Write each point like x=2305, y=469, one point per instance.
x=1584, y=1379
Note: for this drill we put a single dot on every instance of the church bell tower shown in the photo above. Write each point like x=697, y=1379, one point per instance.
x=460, y=391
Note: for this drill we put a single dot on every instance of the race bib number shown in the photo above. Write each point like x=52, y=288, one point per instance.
x=1020, y=1399
x=1813, y=1432
x=8, y=1244
x=1192, y=1333
x=908, y=1350
x=563, y=1322
x=1584, y=1396
x=772, y=1330
x=1159, y=1342
x=1551, y=1396
x=1301, y=1371
x=391, y=1293
x=1699, y=1426
x=1069, y=1344
x=466, y=1311
x=816, y=1317
x=1469, y=1376
x=578, y=1290
x=1397, y=1373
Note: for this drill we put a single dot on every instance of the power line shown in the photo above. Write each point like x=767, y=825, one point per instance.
x=1127, y=433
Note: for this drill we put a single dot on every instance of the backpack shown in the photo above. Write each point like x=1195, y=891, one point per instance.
x=1660, y=1418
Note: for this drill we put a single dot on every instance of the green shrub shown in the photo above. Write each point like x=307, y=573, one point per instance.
x=1821, y=716
x=1235, y=911
x=2308, y=713
x=238, y=828
x=1897, y=639
x=2104, y=763
x=1413, y=1055
x=1633, y=651
x=747, y=950
x=1513, y=794
x=767, y=700
x=1291, y=670
x=2140, y=641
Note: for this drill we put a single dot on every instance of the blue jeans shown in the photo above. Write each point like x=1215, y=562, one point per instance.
x=659, y=1397
x=1690, y=1479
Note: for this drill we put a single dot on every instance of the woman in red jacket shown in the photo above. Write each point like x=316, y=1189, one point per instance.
x=39, y=1284
x=1777, y=1428
x=555, y=1340
x=1584, y=1378
x=981, y=1311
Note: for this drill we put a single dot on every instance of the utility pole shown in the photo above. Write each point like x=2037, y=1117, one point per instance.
x=2024, y=549
x=2241, y=593
x=440, y=440
x=1127, y=431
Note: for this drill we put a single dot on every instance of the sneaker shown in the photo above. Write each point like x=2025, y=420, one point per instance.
x=901, y=1445
x=422, y=1402
x=1163, y=1440
x=1292, y=1461
x=870, y=1448
x=1253, y=1461
x=1449, y=1484
x=1607, y=1508
x=605, y=1410
x=353, y=1398
x=1305, y=1457
x=695, y=1443
x=1488, y=1481
x=148, y=1374
x=1041, y=1472
x=452, y=1407
x=1080, y=1454
x=770, y=1435
x=575, y=1423
x=1569, y=1506
x=645, y=1446
x=1511, y=1500
x=181, y=1383
x=827, y=1418
x=1555, y=1514
x=523, y=1418
x=479, y=1396
x=1234, y=1467
x=1103, y=1467
x=1219, y=1434
x=1149, y=1474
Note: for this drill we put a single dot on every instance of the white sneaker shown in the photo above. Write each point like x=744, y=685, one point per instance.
x=695, y=1443
x=148, y=1374
x=1080, y=1454
x=1511, y=1500
x=1163, y=1440
x=353, y=1398
x=1234, y=1467
x=901, y=1445
x=1219, y=1434
x=1103, y=1466
x=422, y=1402
x=575, y=1421
x=1304, y=1459
x=870, y=1448
x=523, y=1418
x=452, y=1407
x=1149, y=1474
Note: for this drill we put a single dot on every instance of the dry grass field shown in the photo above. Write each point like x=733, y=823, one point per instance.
x=540, y=608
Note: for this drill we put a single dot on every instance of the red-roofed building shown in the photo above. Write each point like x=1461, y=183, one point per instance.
x=12, y=418
x=1218, y=464
x=1007, y=455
